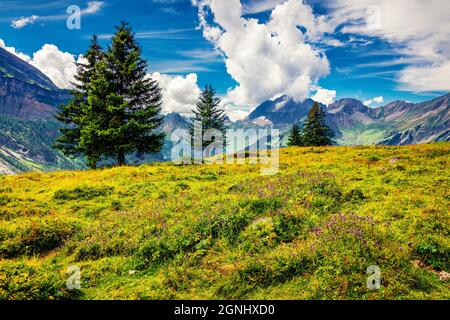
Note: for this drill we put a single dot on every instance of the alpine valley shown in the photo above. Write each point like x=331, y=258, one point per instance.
x=29, y=101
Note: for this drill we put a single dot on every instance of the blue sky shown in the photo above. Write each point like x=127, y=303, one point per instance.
x=362, y=65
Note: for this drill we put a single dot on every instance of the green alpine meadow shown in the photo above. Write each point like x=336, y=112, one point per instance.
x=209, y=231
x=222, y=159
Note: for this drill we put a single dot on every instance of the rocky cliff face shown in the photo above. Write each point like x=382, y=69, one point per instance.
x=418, y=123
x=24, y=100
x=28, y=102
x=25, y=92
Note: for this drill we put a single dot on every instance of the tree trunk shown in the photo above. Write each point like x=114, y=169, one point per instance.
x=92, y=162
x=121, y=159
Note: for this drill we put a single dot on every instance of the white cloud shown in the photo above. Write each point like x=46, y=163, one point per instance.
x=256, y=6
x=92, y=8
x=376, y=100
x=324, y=96
x=426, y=78
x=419, y=30
x=23, y=21
x=180, y=93
x=266, y=60
x=57, y=65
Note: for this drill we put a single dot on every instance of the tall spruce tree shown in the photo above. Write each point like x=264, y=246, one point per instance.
x=295, y=137
x=208, y=113
x=76, y=113
x=134, y=103
x=316, y=132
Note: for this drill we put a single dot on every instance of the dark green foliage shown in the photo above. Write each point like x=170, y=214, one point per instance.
x=316, y=132
x=134, y=102
x=91, y=251
x=209, y=115
x=182, y=186
x=36, y=238
x=81, y=117
x=82, y=193
x=261, y=206
x=4, y=200
x=434, y=254
x=295, y=137
x=257, y=275
x=19, y=281
x=355, y=195
x=328, y=188
x=229, y=226
x=287, y=228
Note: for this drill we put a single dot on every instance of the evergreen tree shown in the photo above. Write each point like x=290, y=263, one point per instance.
x=209, y=114
x=76, y=112
x=295, y=138
x=134, y=102
x=316, y=132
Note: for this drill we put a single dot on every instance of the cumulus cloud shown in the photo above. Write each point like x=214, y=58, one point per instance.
x=271, y=59
x=417, y=29
x=324, y=96
x=180, y=93
x=23, y=21
x=376, y=100
x=256, y=6
x=57, y=65
x=426, y=78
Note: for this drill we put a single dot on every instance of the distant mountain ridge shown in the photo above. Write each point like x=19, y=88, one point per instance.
x=397, y=123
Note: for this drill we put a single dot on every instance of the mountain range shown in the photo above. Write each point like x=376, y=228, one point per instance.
x=397, y=123
x=29, y=100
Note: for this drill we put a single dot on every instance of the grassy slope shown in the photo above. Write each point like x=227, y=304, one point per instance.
x=163, y=231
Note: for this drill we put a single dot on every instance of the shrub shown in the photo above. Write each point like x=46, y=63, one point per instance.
x=437, y=153
x=91, y=251
x=327, y=188
x=287, y=228
x=257, y=275
x=4, y=200
x=36, y=238
x=82, y=193
x=355, y=195
x=19, y=281
x=373, y=158
x=434, y=253
x=182, y=186
x=261, y=206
